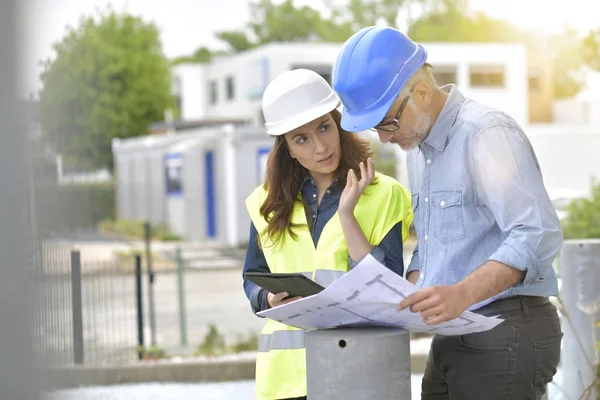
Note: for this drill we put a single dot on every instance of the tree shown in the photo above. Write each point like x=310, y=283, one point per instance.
x=201, y=55
x=270, y=22
x=583, y=218
x=568, y=56
x=567, y=51
x=109, y=79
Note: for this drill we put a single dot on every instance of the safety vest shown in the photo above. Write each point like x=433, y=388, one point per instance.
x=280, y=361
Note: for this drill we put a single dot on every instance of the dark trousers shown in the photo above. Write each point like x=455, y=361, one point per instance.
x=513, y=361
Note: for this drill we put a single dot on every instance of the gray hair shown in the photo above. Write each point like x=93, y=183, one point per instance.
x=423, y=74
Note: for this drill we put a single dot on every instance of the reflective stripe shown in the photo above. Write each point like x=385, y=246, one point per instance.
x=281, y=340
x=326, y=277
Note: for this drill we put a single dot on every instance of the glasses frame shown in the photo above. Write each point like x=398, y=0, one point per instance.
x=393, y=125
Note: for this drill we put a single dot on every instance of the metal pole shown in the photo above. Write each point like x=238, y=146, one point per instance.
x=19, y=380
x=181, y=292
x=77, y=308
x=580, y=274
x=150, y=284
x=140, y=305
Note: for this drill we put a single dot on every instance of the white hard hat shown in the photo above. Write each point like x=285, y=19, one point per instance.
x=295, y=98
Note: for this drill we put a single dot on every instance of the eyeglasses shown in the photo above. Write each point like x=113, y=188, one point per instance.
x=393, y=125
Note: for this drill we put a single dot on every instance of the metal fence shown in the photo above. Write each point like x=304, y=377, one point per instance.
x=84, y=312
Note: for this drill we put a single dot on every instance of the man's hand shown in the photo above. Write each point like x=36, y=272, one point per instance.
x=277, y=299
x=437, y=303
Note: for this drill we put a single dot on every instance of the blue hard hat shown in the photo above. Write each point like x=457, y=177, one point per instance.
x=372, y=67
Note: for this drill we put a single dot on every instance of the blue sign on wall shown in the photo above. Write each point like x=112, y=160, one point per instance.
x=174, y=174
x=261, y=163
x=211, y=212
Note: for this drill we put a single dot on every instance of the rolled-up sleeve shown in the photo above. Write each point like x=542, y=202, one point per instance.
x=389, y=252
x=509, y=183
x=414, y=264
x=255, y=261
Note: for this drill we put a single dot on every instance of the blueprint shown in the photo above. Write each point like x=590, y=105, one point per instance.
x=368, y=296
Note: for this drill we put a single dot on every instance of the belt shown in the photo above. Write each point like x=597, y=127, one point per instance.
x=513, y=303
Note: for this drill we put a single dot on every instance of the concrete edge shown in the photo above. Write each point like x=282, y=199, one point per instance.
x=180, y=371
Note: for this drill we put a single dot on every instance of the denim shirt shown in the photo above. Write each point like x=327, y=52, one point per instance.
x=478, y=195
x=388, y=252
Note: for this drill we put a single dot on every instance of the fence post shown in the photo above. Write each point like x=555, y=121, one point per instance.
x=140, y=305
x=181, y=292
x=147, y=238
x=77, y=308
x=358, y=363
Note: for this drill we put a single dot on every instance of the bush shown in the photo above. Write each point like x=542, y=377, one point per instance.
x=583, y=218
x=213, y=344
x=385, y=159
x=73, y=207
x=134, y=229
x=248, y=344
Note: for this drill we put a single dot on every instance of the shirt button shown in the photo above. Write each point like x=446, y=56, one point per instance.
x=442, y=203
x=422, y=276
x=428, y=161
x=426, y=199
x=328, y=191
x=425, y=237
x=314, y=195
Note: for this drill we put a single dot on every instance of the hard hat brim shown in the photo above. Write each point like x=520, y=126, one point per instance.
x=362, y=122
x=304, y=118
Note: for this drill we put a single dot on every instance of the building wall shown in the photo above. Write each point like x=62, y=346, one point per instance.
x=568, y=154
x=576, y=111
x=492, y=73
x=190, y=89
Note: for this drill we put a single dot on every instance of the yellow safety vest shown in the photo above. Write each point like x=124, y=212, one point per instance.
x=280, y=361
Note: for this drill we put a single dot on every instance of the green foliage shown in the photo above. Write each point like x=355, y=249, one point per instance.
x=246, y=344
x=202, y=55
x=134, y=229
x=385, y=161
x=583, y=219
x=568, y=56
x=71, y=207
x=213, y=344
x=284, y=22
x=109, y=79
x=152, y=353
x=452, y=25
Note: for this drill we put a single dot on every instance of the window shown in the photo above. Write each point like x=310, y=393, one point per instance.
x=230, y=87
x=444, y=74
x=535, y=80
x=487, y=76
x=213, y=91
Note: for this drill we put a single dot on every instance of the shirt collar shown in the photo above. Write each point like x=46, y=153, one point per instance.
x=438, y=136
x=308, y=179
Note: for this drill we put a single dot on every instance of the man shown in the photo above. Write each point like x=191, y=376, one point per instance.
x=487, y=232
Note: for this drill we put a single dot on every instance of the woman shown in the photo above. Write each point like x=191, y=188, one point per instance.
x=314, y=215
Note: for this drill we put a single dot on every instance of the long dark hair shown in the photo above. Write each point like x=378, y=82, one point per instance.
x=284, y=175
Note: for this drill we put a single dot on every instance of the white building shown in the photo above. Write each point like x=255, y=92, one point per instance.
x=583, y=108
x=232, y=86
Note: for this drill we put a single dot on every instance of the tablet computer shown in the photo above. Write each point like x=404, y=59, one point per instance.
x=294, y=284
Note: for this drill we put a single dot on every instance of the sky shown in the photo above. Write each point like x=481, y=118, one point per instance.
x=188, y=24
